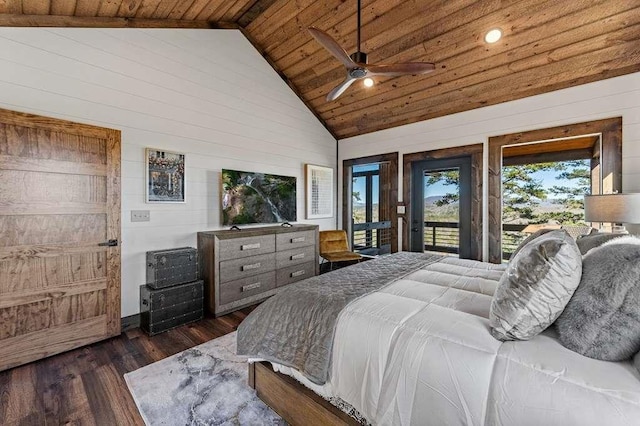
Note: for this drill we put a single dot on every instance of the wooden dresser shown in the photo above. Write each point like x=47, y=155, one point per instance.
x=240, y=268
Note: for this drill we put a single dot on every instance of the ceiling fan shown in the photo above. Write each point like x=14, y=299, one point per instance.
x=357, y=66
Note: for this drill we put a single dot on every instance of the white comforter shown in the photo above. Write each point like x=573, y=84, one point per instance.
x=419, y=352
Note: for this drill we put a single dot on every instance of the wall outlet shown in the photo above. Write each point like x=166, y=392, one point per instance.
x=140, y=215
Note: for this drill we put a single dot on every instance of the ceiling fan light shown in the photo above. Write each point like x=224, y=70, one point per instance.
x=357, y=66
x=493, y=35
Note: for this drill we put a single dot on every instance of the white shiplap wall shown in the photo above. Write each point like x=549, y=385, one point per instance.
x=207, y=93
x=614, y=97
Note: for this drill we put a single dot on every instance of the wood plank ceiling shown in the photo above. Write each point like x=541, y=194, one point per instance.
x=547, y=45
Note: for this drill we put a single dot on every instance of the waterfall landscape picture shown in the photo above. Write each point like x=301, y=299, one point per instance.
x=249, y=197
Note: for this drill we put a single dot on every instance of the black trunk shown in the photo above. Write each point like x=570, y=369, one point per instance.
x=166, y=308
x=170, y=267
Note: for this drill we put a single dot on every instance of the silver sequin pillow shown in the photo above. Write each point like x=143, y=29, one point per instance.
x=536, y=287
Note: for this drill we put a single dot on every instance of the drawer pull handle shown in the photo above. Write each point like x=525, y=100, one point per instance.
x=297, y=256
x=298, y=273
x=250, y=246
x=252, y=266
x=250, y=287
x=297, y=240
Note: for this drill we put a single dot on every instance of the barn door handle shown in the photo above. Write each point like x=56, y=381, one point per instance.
x=110, y=243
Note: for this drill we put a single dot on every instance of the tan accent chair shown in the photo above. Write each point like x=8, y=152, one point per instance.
x=334, y=248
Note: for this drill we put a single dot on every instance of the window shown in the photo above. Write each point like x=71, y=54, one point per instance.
x=365, y=195
x=523, y=167
x=370, y=191
x=544, y=194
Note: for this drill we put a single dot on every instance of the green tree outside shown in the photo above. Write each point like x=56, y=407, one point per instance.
x=525, y=197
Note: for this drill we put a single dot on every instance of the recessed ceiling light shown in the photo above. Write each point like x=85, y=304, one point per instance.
x=493, y=35
x=368, y=82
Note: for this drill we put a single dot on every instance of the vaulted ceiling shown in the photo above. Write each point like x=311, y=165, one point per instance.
x=547, y=45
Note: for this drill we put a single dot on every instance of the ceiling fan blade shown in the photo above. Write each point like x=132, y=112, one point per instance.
x=340, y=88
x=401, y=69
x=333, y=47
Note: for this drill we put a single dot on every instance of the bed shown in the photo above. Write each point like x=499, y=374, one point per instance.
x=405, y=339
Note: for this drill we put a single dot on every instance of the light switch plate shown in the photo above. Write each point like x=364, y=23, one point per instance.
x=140, y=215
x=401, y=209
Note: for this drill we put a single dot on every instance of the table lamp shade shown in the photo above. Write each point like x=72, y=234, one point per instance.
x=612, y=208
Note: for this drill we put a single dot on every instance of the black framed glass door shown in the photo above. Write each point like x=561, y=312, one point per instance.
x=370, y=226
x=441, y=206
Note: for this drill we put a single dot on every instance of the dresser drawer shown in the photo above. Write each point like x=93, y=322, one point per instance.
x=295, y=273
x=246, y=287
x=295, y=256
x=246, y=246
x=231, y=270
x=289, y=240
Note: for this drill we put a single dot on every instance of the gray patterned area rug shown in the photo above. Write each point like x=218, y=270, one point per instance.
x=204, y=385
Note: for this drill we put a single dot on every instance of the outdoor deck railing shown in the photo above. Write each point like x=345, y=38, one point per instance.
x=441, y=236
x=512, y=236
x=445, y=237
x=372, y=237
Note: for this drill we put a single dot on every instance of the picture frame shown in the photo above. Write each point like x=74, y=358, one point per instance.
x=165, y=176
x=319, y=191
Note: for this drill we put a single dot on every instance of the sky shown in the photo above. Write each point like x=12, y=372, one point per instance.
x=548, y=178
x=359, y=184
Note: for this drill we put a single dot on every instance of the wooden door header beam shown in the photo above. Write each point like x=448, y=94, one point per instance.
x=559, y=145
x=7, y=20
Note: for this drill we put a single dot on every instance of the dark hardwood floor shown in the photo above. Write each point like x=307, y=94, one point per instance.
x=86, y=386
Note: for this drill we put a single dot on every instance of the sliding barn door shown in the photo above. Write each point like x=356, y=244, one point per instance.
x=59, y=233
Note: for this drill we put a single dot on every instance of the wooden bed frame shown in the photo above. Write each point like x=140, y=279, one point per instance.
x=296, y=404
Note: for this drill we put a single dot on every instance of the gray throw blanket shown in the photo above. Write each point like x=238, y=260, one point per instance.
x=296, y=327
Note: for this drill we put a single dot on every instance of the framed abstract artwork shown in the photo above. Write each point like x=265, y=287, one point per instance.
x=319, y=191
x=165, y=176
